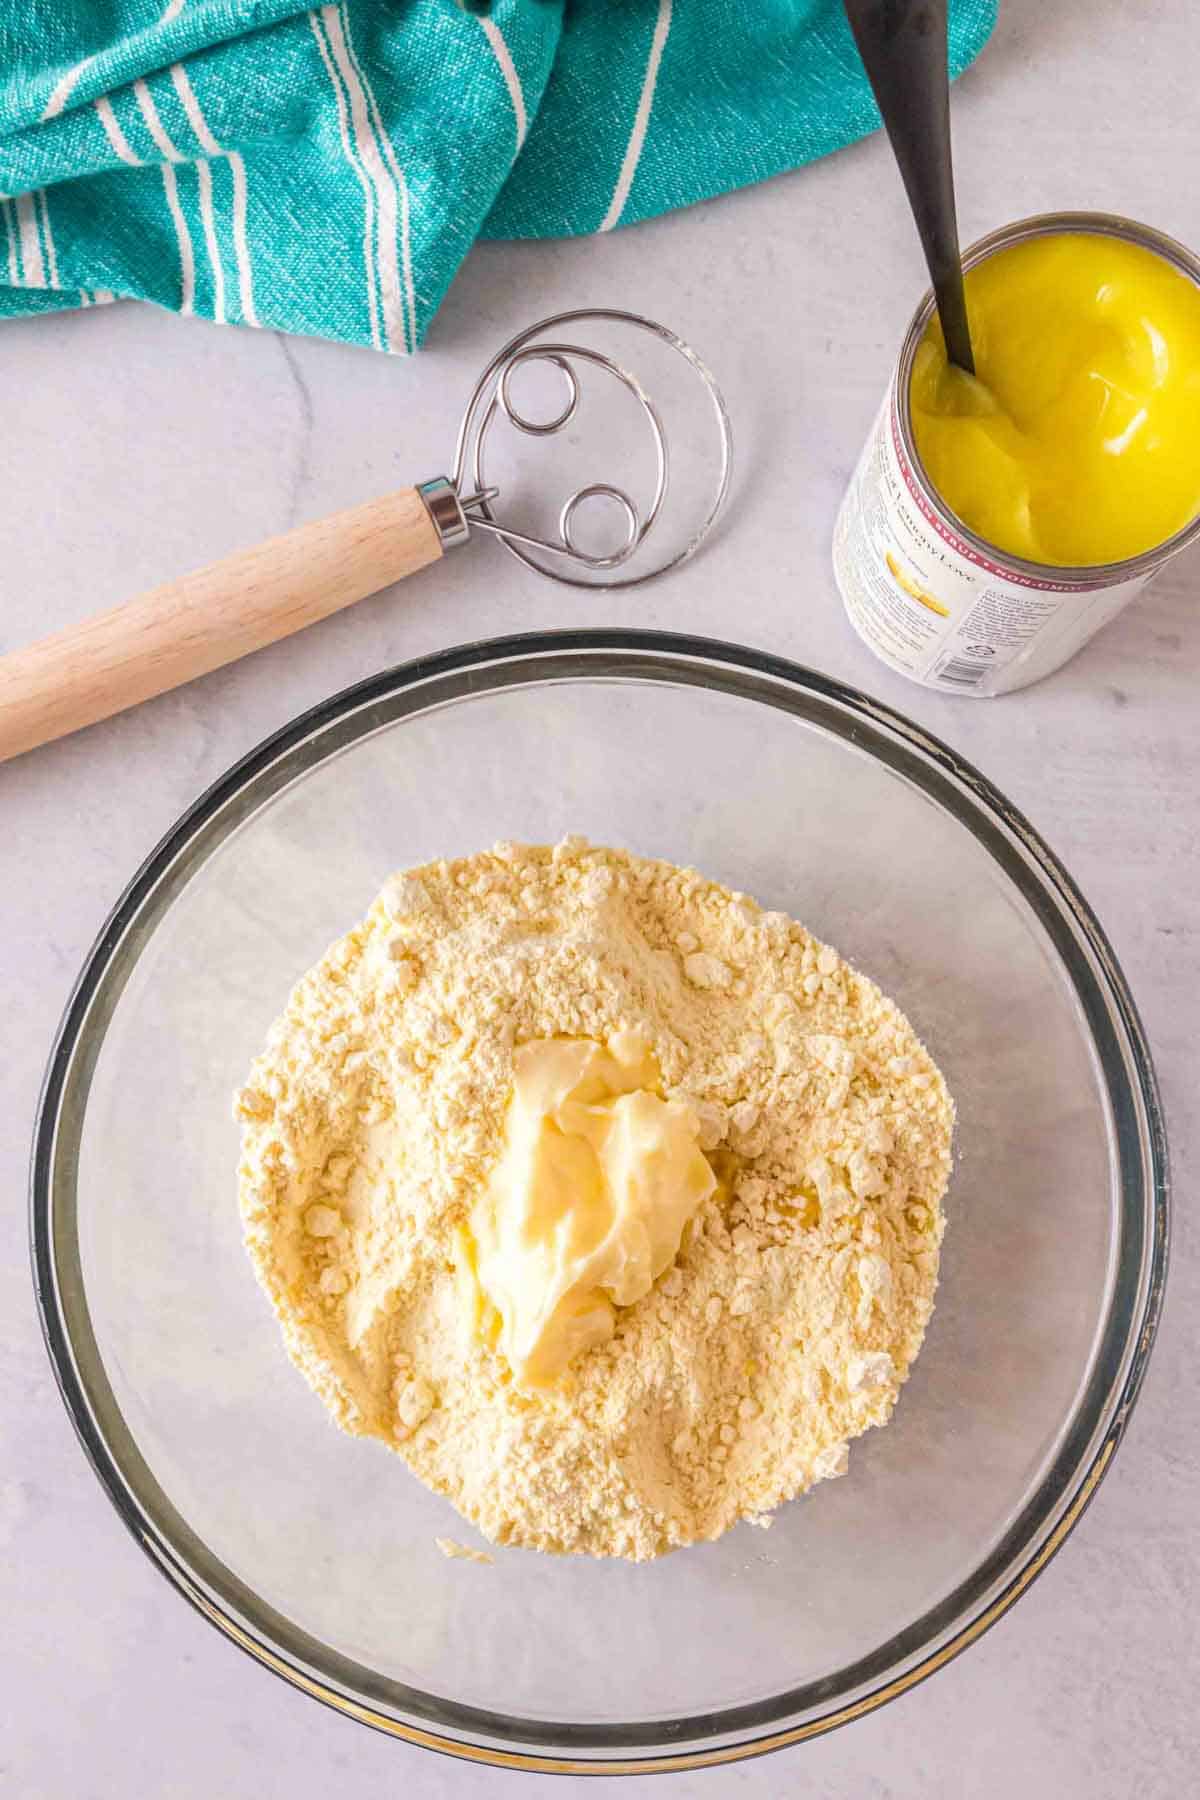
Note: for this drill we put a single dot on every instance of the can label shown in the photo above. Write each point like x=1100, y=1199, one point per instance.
x=933, y=606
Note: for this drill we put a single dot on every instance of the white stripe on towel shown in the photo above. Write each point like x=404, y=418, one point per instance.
x=173, y=10
x=191, y=106
x=187, y=262
x=241, y=242
x=62, y=92
x=352, y=159
x=13, y=272
x=390, y=189
x=32, y=265
x=209, y=220
x=157, y=129
x=207, y=142
x=402, y=186
x=187, y=259
x=113, y=132
x=508, y=69
x=48, y=237
x=637, y=136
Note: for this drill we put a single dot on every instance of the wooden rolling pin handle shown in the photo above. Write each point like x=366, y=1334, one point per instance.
x=188, y=627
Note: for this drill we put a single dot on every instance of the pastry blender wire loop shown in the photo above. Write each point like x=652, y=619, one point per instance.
x=464, y=501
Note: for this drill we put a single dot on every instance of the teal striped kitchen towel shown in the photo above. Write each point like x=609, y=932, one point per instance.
x=325, y=169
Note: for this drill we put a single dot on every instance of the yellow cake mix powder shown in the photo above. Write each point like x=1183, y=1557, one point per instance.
x=607, y=1200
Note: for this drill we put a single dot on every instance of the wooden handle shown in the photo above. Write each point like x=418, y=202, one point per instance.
x=187, y=627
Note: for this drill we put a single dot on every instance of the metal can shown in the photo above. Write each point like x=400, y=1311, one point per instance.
x=931, y=598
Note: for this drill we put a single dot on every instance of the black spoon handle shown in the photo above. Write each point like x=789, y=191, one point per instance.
x=903, y=47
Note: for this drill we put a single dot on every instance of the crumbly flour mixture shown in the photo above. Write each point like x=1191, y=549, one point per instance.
x=791, y=1315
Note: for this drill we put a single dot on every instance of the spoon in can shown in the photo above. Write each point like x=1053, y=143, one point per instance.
x=903, y=48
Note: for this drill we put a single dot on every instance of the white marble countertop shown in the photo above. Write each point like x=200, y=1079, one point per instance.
x=139, y=445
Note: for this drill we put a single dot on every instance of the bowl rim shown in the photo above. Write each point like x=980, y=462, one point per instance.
x=1123, y=1061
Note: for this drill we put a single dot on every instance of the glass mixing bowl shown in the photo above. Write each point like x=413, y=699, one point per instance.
x=316, y=1552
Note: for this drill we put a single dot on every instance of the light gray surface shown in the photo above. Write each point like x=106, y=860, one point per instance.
x=139, y=445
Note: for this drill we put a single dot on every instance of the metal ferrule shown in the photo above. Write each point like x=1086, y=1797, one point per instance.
x=445, y=509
